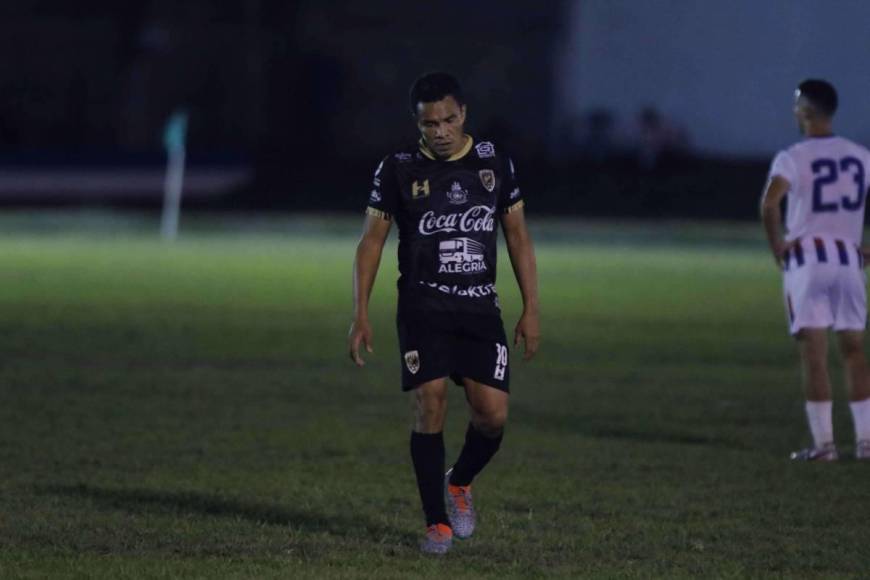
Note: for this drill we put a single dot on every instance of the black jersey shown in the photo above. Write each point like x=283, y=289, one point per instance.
x=447, y=212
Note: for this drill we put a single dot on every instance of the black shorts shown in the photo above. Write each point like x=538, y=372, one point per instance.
x=444, y=344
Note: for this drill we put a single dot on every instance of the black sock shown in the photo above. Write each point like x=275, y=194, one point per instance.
x=427, y=453
x=476, y=453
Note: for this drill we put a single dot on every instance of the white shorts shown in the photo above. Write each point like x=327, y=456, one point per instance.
x=825, y=286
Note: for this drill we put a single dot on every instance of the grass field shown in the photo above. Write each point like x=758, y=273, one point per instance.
x=188, y=411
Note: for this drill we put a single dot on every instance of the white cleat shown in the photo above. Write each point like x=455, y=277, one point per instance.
x=862, y=449
x=827, y=452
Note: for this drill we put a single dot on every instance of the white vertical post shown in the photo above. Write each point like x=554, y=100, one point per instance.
x=173, y=184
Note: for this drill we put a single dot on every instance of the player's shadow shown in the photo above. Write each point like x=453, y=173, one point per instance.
x=144, y=501
x=602, y=429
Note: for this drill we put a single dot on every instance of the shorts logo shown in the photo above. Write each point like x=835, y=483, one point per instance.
x=461, y=256
x=375, y=197
x=418, y=190
x=412, y=361
x=501, y=361
x=485, y=149
x=457, y=195
x=487, y=178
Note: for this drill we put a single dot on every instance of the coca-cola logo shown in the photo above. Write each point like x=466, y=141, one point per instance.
x=475, y=219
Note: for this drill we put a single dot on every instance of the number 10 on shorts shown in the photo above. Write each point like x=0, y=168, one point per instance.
x=501, y=361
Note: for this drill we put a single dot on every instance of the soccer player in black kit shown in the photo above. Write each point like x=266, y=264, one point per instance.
x=447, y=193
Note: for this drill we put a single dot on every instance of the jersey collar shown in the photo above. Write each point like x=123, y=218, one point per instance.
x=469, y=141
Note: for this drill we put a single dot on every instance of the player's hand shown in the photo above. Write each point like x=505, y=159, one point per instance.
x=529, y=331
x=780, y=250
x=360, y=335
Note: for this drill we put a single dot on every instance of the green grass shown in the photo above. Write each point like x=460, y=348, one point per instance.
x=189, y=411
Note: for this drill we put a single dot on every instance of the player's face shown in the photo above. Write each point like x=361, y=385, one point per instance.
x=442, y=126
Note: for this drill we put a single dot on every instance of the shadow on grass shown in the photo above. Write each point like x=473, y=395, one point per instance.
x=598, y=428
x=149, y=501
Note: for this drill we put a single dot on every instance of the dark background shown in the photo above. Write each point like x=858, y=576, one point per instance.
x=310, y=95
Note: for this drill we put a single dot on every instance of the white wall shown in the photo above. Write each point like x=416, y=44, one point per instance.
x=723, y=69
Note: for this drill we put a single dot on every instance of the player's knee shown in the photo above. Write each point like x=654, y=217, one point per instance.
x=429, y=412
x=852, y=344
x=853, y=353
x=491, y=422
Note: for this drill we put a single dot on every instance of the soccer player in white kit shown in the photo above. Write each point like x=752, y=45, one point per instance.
x=824, y=179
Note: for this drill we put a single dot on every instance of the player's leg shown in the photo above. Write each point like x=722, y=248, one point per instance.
x=813, y=348
x=850, y=322
x=858, y=383
x=429, y=407
x=489, y=410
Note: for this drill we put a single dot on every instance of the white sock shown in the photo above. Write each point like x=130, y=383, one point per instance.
x=861, y=418
x=821, y=425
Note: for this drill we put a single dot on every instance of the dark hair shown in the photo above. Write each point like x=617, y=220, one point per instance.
x=821, y=94
x=434, y=86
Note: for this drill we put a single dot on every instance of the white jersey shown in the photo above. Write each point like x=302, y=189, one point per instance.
x=829, y=178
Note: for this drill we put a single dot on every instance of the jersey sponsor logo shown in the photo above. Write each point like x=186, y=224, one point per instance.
x=501, y=361
x=485, y=149
x=461, y=256
x=487, y=179
x=479, y=291
x=478, y=218
x=375, y=197
x=412, y=361
x=457, y=195
x=403, y=157
x=419, y=190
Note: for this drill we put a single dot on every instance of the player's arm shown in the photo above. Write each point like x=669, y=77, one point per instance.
x=365, y=268
x=522, y=254
x=771, y=216
x=865, y=249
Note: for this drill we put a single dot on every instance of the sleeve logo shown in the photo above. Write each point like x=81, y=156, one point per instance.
x=485, y=149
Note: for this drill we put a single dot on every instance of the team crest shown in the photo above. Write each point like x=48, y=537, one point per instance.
x=457, y=195
x=412, y=361
x=487, y=178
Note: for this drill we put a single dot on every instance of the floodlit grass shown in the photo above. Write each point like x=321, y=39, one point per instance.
x=188, y=411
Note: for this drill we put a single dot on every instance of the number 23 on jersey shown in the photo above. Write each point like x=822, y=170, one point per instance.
x=827, y=173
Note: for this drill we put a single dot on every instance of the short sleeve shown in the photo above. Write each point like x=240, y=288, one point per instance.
x=384, y=196
x=784, y=166
x=510, y=197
